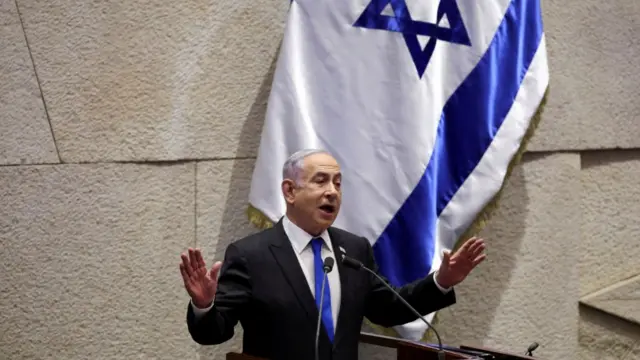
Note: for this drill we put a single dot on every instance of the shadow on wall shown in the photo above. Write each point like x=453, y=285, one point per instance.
x=242, y=170
x=234, y=224
x=479, y=297
x=603, y=336
x=593, y=159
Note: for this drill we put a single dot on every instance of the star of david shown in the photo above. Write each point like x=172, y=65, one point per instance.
x=456, y=33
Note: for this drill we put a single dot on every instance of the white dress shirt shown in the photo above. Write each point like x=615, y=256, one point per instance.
x=301, y=243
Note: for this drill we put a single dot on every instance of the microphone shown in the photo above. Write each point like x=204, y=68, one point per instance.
x=532, y=347
x=327, y=266
x=355, y=264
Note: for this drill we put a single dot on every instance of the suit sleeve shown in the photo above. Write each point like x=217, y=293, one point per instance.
x=234, y=292
x=385, y=309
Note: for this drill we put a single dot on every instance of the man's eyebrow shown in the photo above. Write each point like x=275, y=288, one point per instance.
x=325, y=173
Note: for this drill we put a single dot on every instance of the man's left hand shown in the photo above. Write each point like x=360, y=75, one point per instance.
x=456, y=267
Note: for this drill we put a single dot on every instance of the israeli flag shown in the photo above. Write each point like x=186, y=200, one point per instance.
x=424, y=103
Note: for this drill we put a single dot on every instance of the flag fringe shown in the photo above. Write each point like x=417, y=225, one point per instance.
x=258, y=219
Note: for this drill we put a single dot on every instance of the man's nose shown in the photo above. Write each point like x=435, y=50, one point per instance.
x=331, y=191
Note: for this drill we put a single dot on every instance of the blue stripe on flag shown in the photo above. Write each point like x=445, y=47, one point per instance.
x=470, y=120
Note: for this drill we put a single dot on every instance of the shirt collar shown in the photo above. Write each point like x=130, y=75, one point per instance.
x=300, y=239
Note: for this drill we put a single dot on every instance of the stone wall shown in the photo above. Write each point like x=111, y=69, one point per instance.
x=128, y=132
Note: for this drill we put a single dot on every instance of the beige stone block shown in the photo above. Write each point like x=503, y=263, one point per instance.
x=25, y=135
x=223, y=195
x=149, y=80
x=622, y=300
x=610, y=208
x=527, y=289
x=592, y=47
x=90, y=258
x=604, y=337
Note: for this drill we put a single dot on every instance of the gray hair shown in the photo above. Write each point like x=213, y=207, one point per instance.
x=292, y=168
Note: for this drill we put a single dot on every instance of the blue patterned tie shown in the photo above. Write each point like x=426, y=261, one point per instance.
x=327, y=318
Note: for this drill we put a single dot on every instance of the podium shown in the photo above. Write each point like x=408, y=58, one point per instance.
x=413, y=350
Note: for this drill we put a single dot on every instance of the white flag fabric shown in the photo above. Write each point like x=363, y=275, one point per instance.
x=423, y=103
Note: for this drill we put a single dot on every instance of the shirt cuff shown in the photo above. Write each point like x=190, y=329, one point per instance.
x=198, y=312
x=444, y=291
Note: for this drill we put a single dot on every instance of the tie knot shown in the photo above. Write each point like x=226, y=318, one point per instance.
x=316, y=244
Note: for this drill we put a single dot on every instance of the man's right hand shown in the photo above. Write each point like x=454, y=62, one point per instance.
x=199, y=283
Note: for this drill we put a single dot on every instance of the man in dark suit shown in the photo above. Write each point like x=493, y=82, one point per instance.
x=268, y=281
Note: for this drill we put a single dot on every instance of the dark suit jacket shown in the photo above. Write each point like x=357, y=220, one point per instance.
x=262, y=286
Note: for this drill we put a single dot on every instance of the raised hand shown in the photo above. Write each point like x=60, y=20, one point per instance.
x=456, y=267
x=200, y=284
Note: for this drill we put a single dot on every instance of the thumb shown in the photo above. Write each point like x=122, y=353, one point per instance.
x=215, y=269
x=446, y=257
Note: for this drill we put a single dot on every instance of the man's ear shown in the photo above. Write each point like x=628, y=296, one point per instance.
x=288, y=190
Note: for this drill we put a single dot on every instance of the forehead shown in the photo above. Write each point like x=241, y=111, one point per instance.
x=321, y=163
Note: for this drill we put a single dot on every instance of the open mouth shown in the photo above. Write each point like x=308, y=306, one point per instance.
x=328, y=209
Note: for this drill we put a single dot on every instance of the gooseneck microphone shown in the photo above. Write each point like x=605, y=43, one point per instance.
x=327, y=266
x=530, y=349
x=355, y=264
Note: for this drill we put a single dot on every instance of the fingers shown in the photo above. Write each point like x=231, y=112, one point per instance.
x=193, y=261
x=471, y=248
x=479, y=251
x=185, y=275
x=186, y=265
x=476, y=250
x=471, y=252
x=477, y=244
x=467, y=244
x=478, y=260
x=199, y=259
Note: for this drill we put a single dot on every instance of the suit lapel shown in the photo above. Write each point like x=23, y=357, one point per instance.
x=288, y=262
x=290, y=266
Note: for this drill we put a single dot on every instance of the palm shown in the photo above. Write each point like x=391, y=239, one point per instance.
x=459, y=268
x=200, y=284
x=456, y=267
